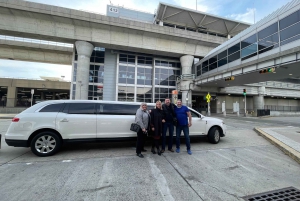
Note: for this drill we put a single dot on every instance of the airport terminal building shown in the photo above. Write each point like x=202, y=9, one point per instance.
x=130, y=55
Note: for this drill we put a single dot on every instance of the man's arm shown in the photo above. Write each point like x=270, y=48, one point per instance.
x=190, y=118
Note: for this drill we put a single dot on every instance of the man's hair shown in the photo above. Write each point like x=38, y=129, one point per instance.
x=179, y=100
x=167, y=98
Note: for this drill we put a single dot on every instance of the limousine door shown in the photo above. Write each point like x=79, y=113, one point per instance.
x=198, y=125
x=114, y=120
x=77, y=121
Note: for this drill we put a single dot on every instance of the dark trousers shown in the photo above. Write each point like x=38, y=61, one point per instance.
x=171, y=133
x=185, y=130
x=155, y=143
x=140, y=141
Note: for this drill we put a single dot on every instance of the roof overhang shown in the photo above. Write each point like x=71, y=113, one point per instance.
x=197, y=20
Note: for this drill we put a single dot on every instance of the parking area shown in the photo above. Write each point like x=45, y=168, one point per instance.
x=243, y=163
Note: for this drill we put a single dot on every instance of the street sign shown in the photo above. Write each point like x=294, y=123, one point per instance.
x=208, y=96
x=32, y=91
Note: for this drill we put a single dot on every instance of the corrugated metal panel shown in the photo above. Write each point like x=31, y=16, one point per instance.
x=110, y=72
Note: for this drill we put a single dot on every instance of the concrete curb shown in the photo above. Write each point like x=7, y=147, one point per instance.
x=283, y=147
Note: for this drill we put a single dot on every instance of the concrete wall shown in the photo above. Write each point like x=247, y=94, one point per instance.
x=229, y=100
x=110, y=73
x=10, y=82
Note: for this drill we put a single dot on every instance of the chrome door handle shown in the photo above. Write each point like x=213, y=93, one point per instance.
x=64, y=120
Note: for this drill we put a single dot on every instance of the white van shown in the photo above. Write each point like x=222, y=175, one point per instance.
x=47, y=125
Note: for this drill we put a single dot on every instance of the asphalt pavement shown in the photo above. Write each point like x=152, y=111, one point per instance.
x=243, y=163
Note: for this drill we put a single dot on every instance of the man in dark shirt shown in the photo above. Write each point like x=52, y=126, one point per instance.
x=170, y=116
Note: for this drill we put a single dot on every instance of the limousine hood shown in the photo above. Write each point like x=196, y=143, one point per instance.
x=212, y=119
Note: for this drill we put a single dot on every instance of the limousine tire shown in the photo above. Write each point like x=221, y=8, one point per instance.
x=214, y=135
x=45, y=143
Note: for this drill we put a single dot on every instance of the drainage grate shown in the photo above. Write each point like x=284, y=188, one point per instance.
x=283, y=194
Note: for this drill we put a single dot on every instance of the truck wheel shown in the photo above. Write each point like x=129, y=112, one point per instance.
x=214, y=135
x=45, y=143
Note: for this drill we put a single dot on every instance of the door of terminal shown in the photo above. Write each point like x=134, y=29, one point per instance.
x=96, y=98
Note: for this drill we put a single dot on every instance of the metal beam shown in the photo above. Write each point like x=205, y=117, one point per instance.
x=234, y=28
x=162, y=17
x=226, y=27
x=172, y=15
x=200, y=23
x=193, y=20
x=210, y=22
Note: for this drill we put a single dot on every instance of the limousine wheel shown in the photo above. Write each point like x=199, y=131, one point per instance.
x=214, y=135
x=45, y=143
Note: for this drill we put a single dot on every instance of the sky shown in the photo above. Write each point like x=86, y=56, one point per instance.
x=242, y=10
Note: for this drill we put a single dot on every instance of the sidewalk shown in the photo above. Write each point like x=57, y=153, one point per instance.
x=7, y=116
x=285, y=138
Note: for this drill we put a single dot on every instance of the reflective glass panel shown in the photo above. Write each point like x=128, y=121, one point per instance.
x=268, y=31
x=269, y=41
x=222, y=55
x=289, y=20
x=249, y=50
x=222, y=62
x=234, y=57
x=289, y=32
x=234, y=48
x=248, y=41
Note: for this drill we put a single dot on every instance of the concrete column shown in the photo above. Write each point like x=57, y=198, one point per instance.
x=186, y=64
x=84, y=50
x=161, y=23
x=185, y=84
x=53, y=96
x=228, y=36
x=42, y=96
x=11, y=96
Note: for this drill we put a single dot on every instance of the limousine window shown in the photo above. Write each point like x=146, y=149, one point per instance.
x=52, y=108
x=117, y=109
x=194, y=114
x=81, y=108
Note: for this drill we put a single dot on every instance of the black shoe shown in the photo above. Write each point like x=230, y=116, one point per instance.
x=159, y=152
x=140, y=155
x=152, y=150
x=162, y=151
x=144, y=150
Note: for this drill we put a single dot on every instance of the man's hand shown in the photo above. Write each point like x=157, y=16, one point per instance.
x=152, y=129
x=143, y=129
x=163, y=121
x=190, y=124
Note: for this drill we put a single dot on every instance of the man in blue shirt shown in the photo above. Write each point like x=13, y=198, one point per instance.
x=182, y=114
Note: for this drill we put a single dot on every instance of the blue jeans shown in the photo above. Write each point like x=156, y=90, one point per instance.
x=171, y=133
x=185, y=130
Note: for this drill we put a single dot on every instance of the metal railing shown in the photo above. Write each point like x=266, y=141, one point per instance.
x=280, y=108
x=36, y=41
x=186, y=77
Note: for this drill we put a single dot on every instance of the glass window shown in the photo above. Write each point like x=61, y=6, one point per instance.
x=222, y=62
x=234, y=57
x=222, y=55
x=289, y=20
x=116, y=109
x=144, y=94
x=268, y=31
x=213, y=66
x=290, y=32
x=194, y=114
x=126, y=93
x=213, y=59
x=204, y=69
x=269, y=41
x=163, y=93
x=248, y=41
x=234, y=48
x=290, y=40
x=126, y=74
x=81, y=108
x=205, y=63
x=249, y=50
x=144, y=76
x=52, y=108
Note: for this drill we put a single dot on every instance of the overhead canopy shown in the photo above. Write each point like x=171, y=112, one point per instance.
x=197, y=20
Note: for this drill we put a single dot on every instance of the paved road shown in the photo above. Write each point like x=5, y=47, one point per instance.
x=243, y=163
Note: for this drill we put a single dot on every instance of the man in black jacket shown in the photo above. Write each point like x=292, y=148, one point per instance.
x=170, y=118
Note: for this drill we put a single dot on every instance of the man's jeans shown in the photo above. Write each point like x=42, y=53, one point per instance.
x=171, y=133
x=185, y=130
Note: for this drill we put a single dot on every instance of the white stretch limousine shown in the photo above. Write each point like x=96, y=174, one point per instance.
x=47, y=125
